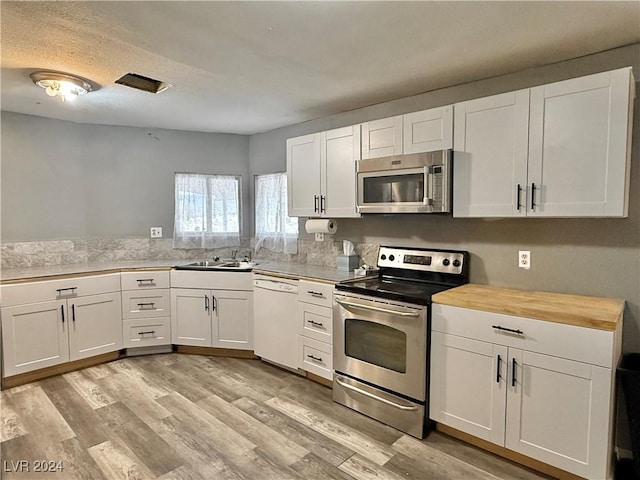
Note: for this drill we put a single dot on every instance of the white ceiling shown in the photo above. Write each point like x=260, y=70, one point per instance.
x=248, y=67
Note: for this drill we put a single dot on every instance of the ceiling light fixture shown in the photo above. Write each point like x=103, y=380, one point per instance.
x=61, y=85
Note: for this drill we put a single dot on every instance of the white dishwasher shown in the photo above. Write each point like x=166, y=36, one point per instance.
x=275, y=319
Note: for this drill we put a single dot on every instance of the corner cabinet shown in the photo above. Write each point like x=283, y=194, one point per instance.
x=321, y=173
x=51, y=322
x=557, y=150
x=538, y=388
x=212, y=309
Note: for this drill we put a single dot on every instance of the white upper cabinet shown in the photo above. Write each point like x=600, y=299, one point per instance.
x=428, y=130
x=490, y=156
x=321, y=173
x=558, y=150
x=381, y=138
x=579, y=148
x=303, y=175
x=416, y=132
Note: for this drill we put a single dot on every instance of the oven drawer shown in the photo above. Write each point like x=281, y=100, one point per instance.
x=315, y=321
x=146, y=303
x=315, y=357
x=145, y=279
x=582, y=344
x=146, y=332
x=315, y=293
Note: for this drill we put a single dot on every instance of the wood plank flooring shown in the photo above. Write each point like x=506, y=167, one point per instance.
x=190, y=417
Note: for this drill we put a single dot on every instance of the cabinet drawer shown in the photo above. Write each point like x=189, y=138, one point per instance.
x=47, y=290
x=146, y=303
x=146, y=332
x=145, y=280
x=315, y=322
x=582, y=344
x=315, y=357
x=316, y=293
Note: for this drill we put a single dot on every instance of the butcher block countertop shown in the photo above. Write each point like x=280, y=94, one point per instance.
x=582, y=311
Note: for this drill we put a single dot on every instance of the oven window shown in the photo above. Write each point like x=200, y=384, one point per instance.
x=394, y=188
x=378, y=344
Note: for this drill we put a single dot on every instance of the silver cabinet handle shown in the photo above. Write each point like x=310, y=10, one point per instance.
x=315, y=294
x=145, y=280
x=375, y=397
x=377, y=309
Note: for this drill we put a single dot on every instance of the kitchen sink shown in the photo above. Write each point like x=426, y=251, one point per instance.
x=229, y=265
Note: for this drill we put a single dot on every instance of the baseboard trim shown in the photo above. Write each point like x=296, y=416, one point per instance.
x=318, y=379
x=215, y=352
x=28, y=377
x=508, y=454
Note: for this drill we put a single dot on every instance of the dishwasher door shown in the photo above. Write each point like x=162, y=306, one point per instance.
x=275, y=320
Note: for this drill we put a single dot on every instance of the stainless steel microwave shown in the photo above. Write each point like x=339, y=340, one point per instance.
x=415, y=183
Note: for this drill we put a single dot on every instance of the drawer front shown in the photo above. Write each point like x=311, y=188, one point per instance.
x=146, y=279
x=315, y=322
x=582, y=344
x=147, y=332
x=315, y=357
x=47, y=290
x=215, y=280
x=315, y=293
x=146, y=303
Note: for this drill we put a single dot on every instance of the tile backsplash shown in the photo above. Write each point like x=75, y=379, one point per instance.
x=62, y=252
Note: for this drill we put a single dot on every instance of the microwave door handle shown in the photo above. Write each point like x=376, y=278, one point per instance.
x=428, y=187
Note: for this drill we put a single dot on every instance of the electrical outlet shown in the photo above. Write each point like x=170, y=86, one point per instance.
x=524, y=259
x=156, y=232
x=319, y=237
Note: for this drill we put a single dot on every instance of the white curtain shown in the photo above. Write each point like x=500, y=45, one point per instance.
x=275, y=230
x=207, y=211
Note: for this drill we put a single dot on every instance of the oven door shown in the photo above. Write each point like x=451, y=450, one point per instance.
x=382, y=342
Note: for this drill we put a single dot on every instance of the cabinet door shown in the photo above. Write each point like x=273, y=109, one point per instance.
x=303, y=176
x=428, y=130
x=232, y=319
x=340, y=151
x=578, y=146
x=191, y=317
x=34, y=336
x=468, y=385
x=490, y=156
x=558, y=412
x=96, y=325
x=381, y=138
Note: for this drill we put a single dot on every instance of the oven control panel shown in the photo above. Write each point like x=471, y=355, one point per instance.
x=440, y=261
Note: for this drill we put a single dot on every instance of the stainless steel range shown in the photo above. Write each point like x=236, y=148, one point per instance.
x=381, y=334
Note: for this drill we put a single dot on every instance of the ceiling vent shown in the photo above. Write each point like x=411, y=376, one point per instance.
x=140, y=82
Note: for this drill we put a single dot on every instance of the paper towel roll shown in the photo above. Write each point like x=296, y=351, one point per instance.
x=321, y=225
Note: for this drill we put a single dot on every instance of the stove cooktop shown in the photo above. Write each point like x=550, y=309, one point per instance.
x=412, y=275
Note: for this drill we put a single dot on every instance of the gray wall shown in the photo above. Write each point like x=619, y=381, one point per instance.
x=62, y=180
x=591, y=256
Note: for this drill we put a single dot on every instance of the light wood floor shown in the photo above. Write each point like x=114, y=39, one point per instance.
x=183, y=417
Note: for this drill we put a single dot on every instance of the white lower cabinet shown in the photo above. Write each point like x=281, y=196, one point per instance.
x=74, y=322
x=146, y=308
x=221, y=318
x=553, y=409
x=315, y=326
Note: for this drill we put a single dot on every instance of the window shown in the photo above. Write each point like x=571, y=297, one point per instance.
x=275, y=230
x=207, y=211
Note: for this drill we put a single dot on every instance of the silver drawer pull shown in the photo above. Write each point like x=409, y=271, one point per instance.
x=377, y=309
x=151, y=305
x=375, y=397
x=315, y=324
x=315, y=294
x=150, y=332
x=505, y=329
x=145, y=280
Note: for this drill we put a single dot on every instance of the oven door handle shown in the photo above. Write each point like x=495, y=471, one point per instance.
x=375, y=397
x=377, y=309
